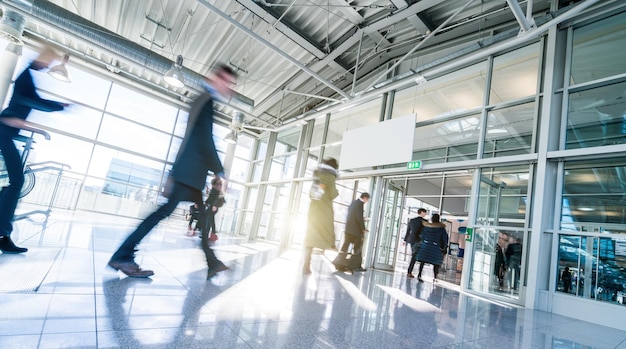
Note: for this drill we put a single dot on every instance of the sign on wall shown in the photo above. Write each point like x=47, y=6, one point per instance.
x=384, y=143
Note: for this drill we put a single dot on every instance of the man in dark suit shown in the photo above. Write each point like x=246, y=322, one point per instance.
x=413, y=239
x=355, y=230
x=196, y=157
x=12, y=119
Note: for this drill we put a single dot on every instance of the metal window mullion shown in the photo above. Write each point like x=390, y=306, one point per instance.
x=296, y=186
x=260, y=200
x=247, y=189
x=484, y=116
x=566, y=82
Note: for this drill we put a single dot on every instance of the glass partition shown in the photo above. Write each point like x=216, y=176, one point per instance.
x=593, y=192
x=592, y=267
x=454, y=93
x=595, y=54
x=498, y=261
x=503, y=196
x=510, y=131
x=450, y=140
x=515, y=74
x=596, y=117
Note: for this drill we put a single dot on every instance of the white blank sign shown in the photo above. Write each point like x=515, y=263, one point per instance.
x=387, y=142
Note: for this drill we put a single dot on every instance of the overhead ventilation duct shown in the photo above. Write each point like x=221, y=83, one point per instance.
x=11, y=26
x=78, y=26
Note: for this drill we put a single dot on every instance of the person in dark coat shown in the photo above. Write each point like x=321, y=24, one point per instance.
x=12, y=119
x=566, y=277
x=194, y=213
x=413, y=238
x=320, y=231
x=500, y=262
x=355, y=231
x=434, y=245
x=513, y=254
x=213, y=202
x=196, y=157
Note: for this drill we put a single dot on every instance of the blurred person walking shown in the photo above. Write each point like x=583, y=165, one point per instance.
x=12, y=120
x=434, y=246
x=413, y=238
x=196, y=157
x=320, y=230
x=355, y=235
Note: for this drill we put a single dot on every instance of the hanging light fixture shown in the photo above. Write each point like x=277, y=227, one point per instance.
x=11, y=26
x=60, y=72
x=174, y=76
x=231, y=137
x=236, y=126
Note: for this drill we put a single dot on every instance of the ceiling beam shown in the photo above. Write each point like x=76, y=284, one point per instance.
x=351, y=41
x=351, y=14
x=287, y=30
x=269, y=45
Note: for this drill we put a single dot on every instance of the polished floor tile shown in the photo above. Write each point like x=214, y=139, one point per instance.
x=262, y=301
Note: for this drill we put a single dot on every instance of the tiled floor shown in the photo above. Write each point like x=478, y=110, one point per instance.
x=262, y=302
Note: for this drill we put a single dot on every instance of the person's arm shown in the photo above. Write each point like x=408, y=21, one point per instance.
x=24, y=125
x=25, y=94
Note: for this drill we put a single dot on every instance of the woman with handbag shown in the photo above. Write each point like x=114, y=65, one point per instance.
x=434, y=245
x=320, y=231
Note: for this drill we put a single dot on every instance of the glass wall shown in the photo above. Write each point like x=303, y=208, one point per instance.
x=592, y=243
x=450, y=109
x=115, y=145
x=592, y=229
x=597, y=107
x=501, y=231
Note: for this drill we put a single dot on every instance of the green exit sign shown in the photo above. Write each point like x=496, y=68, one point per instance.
x=414, y=165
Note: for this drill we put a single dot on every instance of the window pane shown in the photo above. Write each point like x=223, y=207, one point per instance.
x=443, y=135
x=515, y=74
x=595, y=54
x=63, y=149
x=244, y=147
x=593, y=192
x=509, y=131
x=596, y=117
x=498, y=261
x=287, y=141
x=76, y=119
x=104, y=159
x=85, y=88
x=355, y=117
x=595, y=267
x=451, y=94
x=503, y=196
x=141, y=108
x=181, y=123
x=282, y=167
x=131, y=136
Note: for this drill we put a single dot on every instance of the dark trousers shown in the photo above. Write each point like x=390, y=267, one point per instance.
x=414, y=249
x=194, y=217
x=126, y=252
x=11, y=194
x=435, y=270
x=356, y=241
x=209, y=221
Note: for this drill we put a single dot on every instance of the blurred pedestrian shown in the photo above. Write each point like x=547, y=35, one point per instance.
x=320, y=230
x=196, y=157
x=12, y=120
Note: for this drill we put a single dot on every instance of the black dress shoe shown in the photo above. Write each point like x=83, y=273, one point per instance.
x=7, y=246
x=361, y=269
x=214, y=271
x=131, y=269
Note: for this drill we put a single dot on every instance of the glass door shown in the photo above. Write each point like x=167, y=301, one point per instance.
x=388, y=237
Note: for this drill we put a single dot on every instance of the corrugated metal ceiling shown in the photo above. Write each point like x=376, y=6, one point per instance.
x=322, y=35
